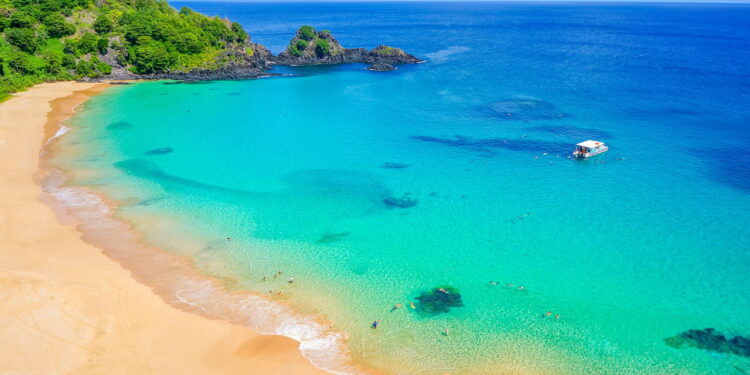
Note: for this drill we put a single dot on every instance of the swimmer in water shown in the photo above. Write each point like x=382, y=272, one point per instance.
x=264, y=278
x=443, y=290
x=509, y=284
x=557, y=316
x=411, y=304
x=229, y=238
x=374, y=324
x=548, y=313
x=396, y=307
x=493, y=282
x=522, y=289
x=291, y=280
x=446, y=332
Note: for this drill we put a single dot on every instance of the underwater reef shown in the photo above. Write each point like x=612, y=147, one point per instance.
x=438, y=300
x=333, y=237
x=390, y=165
x=406, y=201
x=159, y=151
x=525, y=109
x=711, y=340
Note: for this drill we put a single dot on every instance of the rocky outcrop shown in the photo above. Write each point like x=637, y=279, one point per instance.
x=311, y=47
x=252, y=60
x=247, y=61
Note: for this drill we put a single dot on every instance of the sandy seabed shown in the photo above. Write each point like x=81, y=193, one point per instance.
x=66, y=308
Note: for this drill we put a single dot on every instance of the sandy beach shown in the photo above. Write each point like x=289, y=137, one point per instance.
x=69, y=309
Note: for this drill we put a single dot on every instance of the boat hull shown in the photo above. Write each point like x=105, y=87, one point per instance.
x=580, y=155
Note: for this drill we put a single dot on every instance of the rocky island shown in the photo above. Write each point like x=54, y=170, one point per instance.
x=311, y=47
x=49, y=40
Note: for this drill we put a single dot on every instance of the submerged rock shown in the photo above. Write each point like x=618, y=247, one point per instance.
x=439, y=300
x=711, y=340
x=333, y=237
x=525, y=109
x=405, y=201
x=380, y=67
x=159, y=151
x=119, y=125
x=389, y=165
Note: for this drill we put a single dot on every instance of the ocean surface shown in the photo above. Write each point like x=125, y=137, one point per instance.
x=374, y=189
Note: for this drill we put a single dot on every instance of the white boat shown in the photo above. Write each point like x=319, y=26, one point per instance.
x=587, y=149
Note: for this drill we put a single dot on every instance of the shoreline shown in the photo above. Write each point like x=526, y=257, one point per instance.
x=68, y=302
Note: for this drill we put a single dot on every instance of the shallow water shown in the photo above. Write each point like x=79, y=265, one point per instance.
x=371, y=189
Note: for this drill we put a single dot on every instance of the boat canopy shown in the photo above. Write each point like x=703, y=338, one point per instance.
x=590, y=144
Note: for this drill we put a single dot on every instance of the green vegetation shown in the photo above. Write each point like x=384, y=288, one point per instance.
x=322, y=47
x=45, y=40
x=385, y=50
x=307, y=35
x=307, y=32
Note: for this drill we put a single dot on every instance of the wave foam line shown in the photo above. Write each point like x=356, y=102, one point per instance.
x=178, y=282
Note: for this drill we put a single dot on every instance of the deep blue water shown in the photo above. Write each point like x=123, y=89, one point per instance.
x=630, y=248
x=677, y=67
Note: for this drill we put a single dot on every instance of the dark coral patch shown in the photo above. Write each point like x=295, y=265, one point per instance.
x=389, y=165
x=525, y=109
x=438, y=301
x=159, y=151
x=119, y=125
x=333, y=237
x=711, y=340
x=406, y=201
x=488, y=146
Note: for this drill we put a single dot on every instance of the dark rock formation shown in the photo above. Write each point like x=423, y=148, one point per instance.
x=405, y=201
x=380, y=67
x=438, y=301
x=525, y=109
x=390, y=165
x=311, y=47
x=333, y=237
x=119, y=125
x=249, y=61
x=160, y=151
x=711, y=340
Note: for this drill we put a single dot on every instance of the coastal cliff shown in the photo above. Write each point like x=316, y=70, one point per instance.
x=49, y=40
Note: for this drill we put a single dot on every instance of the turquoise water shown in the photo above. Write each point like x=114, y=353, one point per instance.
x=632, y=247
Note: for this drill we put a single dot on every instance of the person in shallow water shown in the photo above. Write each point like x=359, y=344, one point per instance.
x=291, y=280
x=374, y=324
